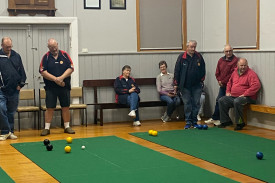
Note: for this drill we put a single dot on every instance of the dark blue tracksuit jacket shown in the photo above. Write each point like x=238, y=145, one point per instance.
x=122, y=88
x=12, y=72
x=189, y=71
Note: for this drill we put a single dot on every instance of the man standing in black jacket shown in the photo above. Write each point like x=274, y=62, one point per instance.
x=188, y=75
x=12, y=79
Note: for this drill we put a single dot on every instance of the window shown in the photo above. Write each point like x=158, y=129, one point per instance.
x=161, y=24
x=243, y=23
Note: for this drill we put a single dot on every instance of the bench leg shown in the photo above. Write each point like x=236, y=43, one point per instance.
x=39, y=120
x=18, y=121
x=34, y=124
x=101, y=117
x=86, y=117
x=62, y=121
x=245, y=114
x=95, y=116
x=44, y=119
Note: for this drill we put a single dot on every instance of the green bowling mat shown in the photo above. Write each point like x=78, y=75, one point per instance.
x=4, y=177
x=229, y=149
x=112, y=160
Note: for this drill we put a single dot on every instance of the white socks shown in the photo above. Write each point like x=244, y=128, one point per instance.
x=66, y=125
x=47, y=126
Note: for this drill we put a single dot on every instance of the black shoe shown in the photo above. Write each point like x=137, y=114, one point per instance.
x=45, y=132
x=223, y=125
x=239, y=126
x=69, y=130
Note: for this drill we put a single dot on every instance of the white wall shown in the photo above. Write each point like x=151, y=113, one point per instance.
x=194, y=13
x=103, y=30
x=113, y=31
x=214, y=25
x=107, y=30
x=267, y=25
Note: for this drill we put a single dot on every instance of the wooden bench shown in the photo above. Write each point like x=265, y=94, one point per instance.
x=262, y=108
x=95, y=84
x=258, y=108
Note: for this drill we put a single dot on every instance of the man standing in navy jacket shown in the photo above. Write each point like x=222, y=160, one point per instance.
x=188, y=75
x=127, y=93
x=12, y=79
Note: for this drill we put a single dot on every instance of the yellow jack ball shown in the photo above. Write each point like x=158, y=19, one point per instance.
x=155, y=133
x=69, y=140
x=68, y=149
x=150, y=132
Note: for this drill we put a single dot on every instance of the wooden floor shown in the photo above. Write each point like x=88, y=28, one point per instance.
x=21, y=169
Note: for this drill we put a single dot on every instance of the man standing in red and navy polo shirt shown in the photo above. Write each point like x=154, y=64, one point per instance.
x=56, y=68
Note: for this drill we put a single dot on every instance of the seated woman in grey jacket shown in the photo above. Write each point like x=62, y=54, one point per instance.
x=166, y=91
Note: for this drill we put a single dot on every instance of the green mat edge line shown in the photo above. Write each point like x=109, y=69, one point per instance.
x=53, y=140
x=65, y=139
x=119, y=138
x=5, y=173
x=195, y=156
x=31, y=160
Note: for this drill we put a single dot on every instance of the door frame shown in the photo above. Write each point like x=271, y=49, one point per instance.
x=73, y=33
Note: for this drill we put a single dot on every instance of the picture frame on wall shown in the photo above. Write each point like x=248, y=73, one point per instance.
x=118, y=4
x=92, y=4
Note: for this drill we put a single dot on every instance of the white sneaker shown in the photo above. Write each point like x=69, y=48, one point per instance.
x=166, y=119
x=209, y=121
x=215, y=122
x=136, y=123
x=164, y=116
x=4, y=137
x=12, y=136
x=198, y=117
x=132, y=114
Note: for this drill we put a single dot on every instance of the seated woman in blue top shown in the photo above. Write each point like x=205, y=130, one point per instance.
x=127, y=93
x=166, y=91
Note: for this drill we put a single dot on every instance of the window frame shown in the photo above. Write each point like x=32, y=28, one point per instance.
x=184, y=29
x=257, y=47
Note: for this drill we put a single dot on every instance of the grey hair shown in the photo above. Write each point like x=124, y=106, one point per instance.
x=191, y=41
x=242, y=58
x=227, y=45
x=5, y=38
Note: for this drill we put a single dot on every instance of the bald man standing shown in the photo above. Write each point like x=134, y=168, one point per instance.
x=56, y=68
x=241, y=89
x=225, y=68
x=12, y=79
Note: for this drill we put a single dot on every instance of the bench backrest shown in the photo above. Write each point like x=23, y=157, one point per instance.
x=110, y=83
x=76, y=92
x=27, y=94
